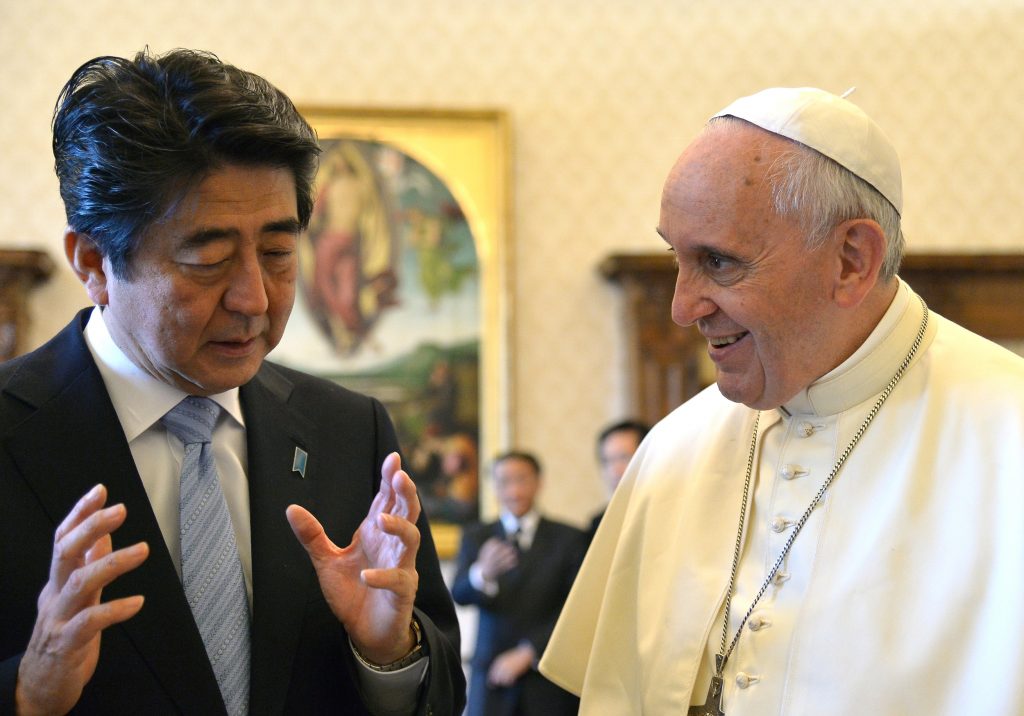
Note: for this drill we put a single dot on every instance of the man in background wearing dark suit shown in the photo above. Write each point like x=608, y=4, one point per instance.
x=615, y=447
x=186, y=182
x=518, y=571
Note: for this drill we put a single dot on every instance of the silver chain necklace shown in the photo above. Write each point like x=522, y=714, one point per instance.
x=712, y=706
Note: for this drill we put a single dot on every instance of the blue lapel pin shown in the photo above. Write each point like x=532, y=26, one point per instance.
x=299, y=462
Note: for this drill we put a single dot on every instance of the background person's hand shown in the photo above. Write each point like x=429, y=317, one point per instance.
x=509, y=666
x=496, y=557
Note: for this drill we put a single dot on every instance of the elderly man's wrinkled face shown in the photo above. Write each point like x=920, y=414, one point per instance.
x=211, y=287
x=758, y=295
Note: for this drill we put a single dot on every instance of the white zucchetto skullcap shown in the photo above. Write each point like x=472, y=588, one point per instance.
x=832, y=125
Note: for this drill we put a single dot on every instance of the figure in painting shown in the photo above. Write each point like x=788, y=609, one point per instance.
x=350, y=271
x=389, y=271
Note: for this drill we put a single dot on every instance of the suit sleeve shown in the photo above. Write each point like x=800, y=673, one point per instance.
x=462, y=588
x=572, y=548
x=444, y=690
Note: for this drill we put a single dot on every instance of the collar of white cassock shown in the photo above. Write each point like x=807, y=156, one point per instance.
x=866, y=373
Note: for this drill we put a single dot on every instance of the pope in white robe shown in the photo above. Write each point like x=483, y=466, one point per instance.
x=903, y=590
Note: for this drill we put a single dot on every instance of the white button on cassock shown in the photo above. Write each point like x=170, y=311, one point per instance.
x=758, y=622
x=779, y=524
x=743, y=679
x=780, y=577
x=791, y=471
x=806, y=430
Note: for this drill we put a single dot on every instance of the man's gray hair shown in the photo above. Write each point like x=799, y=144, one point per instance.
x=820, y=194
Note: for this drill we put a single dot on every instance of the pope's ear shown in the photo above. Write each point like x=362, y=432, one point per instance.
x=861, y=244
x=86, y=261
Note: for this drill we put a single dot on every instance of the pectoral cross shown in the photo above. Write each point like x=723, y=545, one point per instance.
x=712, y=705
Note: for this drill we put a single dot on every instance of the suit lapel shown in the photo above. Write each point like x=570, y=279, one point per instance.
x=281, y=569
x=540, y=535
x=539, y=547
x=74, y=410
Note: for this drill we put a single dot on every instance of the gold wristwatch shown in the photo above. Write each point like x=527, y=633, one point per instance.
x=409, y=659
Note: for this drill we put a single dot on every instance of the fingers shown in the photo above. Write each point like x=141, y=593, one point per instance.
x=80, y=529
x=490, y=544
x=86, y=505
x=84, y=585
x=397, y=495
x=496, y=557
x=309, y=532
x=496, y=676
x=510, y=665
x=403, y=582
x=62, y=652
x=496, y=545
x=306, y=527
x=392, y=464
x=499, y=562
x=89, y=622
x=498, y=552
x=384, y=500
x=69, y=551
x=83, y=562
x=500, y=674
x=506, y=560
x=409, y=536
x=494, y=567
x=61, y=655
x=407, y=501
x=102, y=548
x=401, y=528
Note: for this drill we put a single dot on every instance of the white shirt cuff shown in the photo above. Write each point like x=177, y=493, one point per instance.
x=476, y=578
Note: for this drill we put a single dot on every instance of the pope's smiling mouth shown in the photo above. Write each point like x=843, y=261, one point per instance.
x=722, y=341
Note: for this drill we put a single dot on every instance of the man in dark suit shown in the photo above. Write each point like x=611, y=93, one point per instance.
x=615, y=447
x=518, y=571
x=186, y=182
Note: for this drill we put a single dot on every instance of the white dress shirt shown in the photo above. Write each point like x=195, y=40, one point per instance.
x=140, y=400
x=525, y=526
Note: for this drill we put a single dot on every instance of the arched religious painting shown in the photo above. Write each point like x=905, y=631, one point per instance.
x=402, y=288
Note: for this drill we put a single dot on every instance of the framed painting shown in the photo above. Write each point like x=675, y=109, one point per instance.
x=404, y=288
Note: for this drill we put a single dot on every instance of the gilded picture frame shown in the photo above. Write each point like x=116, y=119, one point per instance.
x=385, y=302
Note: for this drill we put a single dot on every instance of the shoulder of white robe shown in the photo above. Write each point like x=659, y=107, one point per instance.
x=569, y=651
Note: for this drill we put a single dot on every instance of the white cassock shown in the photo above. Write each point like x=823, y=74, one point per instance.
x=902, y=595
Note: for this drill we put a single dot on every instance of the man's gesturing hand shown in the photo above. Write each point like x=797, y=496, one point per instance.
x=371, y=584
x=65, y=646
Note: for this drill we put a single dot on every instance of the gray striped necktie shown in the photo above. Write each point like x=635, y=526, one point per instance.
x=211, y=571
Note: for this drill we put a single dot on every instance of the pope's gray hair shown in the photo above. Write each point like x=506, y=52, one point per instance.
x=819, y=193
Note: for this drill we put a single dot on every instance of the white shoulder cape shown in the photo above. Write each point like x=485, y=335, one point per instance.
x=917, y=599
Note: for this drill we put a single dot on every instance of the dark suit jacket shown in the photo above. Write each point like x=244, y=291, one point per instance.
x=526, y=607
x=59, y=435
x=595, y=522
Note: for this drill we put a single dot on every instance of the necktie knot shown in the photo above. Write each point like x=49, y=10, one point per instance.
x=192, y=420
x=516, y=538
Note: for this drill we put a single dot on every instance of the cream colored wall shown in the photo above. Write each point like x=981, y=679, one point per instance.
x=602, y=94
